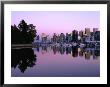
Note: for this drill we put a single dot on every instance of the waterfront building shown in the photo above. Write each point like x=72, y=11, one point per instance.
x=58, y=38
x=55, y=38
x=44, y=37
x=97, y=36
x=95, y=29
x=81, y=34
x=87, y=31
x=74, y=36
x=62, y=38
x=68, y=37
x=92, y=36
x=87, y=38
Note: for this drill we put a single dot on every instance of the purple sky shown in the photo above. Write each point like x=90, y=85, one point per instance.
x=50, y=22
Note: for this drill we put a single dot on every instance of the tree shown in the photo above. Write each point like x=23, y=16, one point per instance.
x=24, y=33
x=15, y=35
x=31, y=32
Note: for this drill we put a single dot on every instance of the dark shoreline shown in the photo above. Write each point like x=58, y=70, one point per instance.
x=21, y=45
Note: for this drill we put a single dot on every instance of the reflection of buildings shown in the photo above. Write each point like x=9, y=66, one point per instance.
x=81, y=52
x=87, y=55
x=62, y=49
x=73, y=50
x=55, y=49
x=68, y=50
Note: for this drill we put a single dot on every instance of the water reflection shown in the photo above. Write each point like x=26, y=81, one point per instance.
x=22, y=58
x=73, y=50
x=25, y=57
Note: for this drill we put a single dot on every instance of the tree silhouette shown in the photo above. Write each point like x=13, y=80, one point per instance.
x=24, y=33
x=15, y=34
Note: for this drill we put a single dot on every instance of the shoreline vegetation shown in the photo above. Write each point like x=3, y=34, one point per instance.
x=23, y=33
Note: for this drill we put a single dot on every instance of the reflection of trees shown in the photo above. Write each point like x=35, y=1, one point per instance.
x=22, y=58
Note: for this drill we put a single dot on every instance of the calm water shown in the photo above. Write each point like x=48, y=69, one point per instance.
x=53, y=61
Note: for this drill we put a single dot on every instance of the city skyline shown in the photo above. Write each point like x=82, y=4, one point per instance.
x=58, y=22
x=81, y=31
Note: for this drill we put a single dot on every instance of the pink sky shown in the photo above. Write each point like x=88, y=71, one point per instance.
x=50, y=22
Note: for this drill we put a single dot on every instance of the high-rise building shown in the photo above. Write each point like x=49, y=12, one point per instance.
x=95, y=29
x=87, y=31
x=74, y=36
x=62, y=37
x=68, y=37
x=55, y=38
x=58, y=38
x=81, y=33
x=44, y=37
x=97, y=36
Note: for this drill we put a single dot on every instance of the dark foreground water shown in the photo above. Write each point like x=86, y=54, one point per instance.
x=53, y=61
